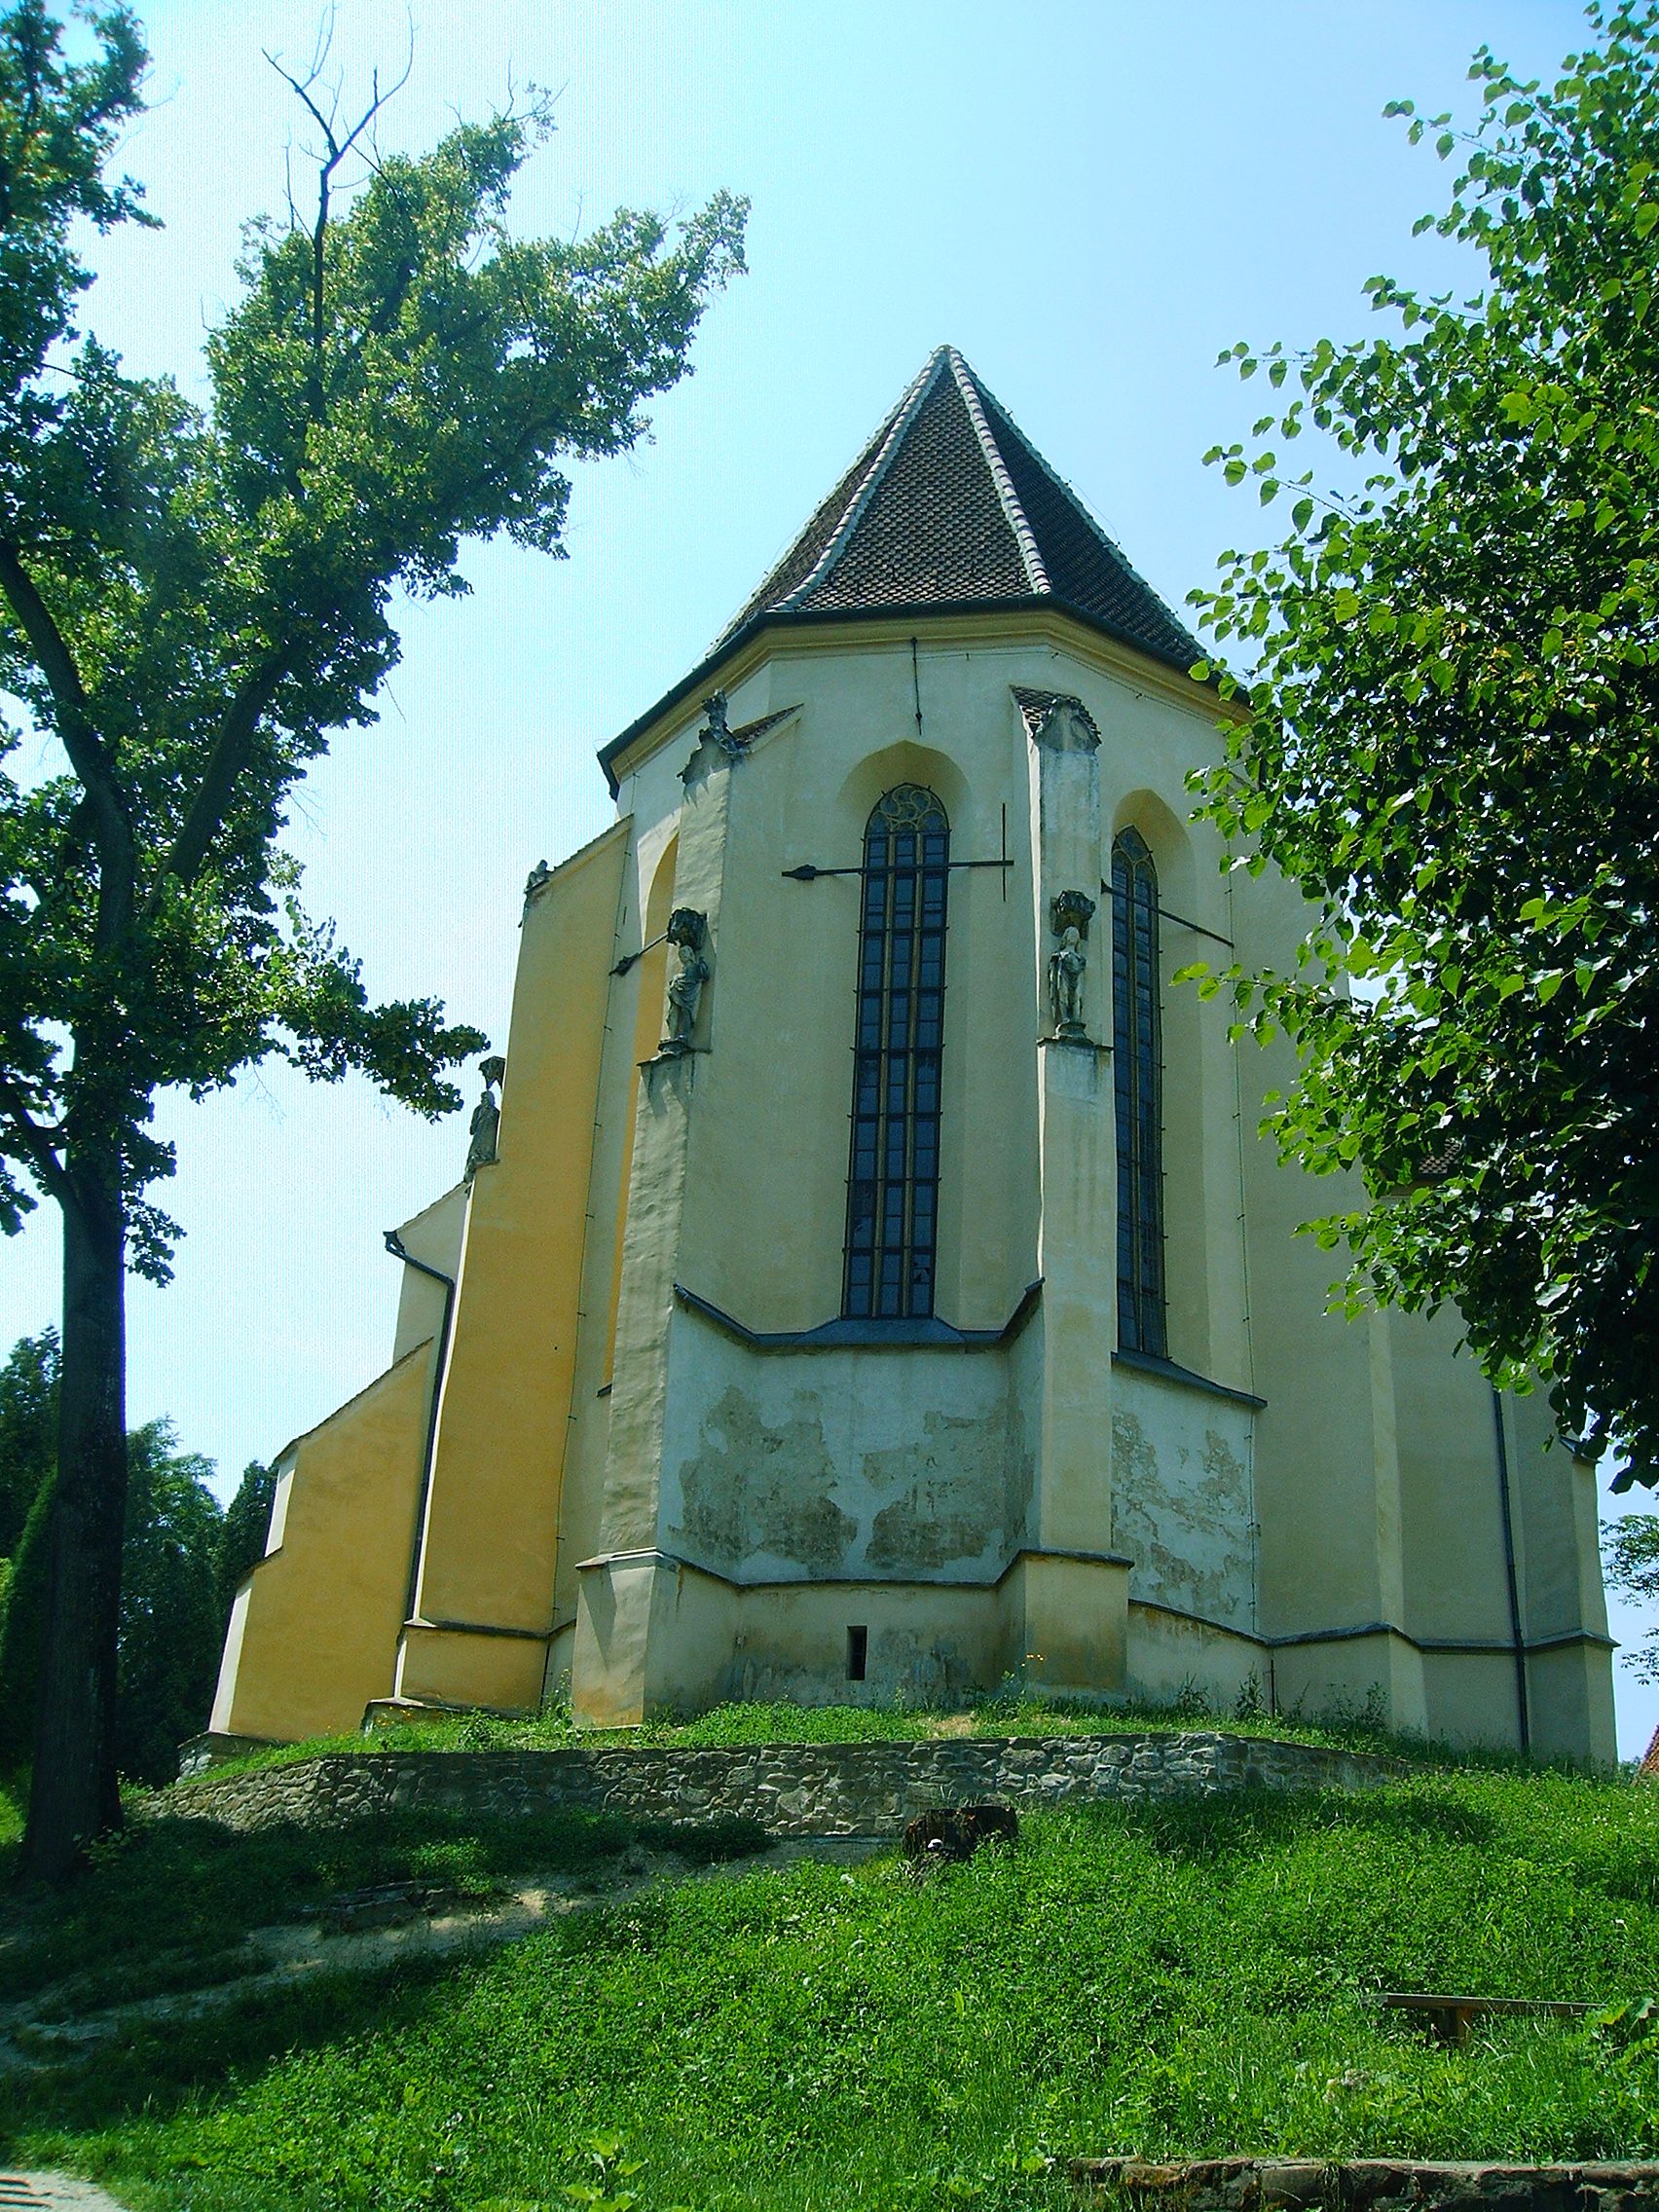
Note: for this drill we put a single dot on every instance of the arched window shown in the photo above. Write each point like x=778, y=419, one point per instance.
x=1137, y=1062
x=893, y=1182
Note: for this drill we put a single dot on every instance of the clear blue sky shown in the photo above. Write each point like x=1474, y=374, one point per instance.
x=1090, y=200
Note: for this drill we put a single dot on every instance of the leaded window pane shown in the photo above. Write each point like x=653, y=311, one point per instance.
x=892, y=1187
x=1137, y=1065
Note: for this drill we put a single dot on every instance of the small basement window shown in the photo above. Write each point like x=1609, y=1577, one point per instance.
x=858, y=1652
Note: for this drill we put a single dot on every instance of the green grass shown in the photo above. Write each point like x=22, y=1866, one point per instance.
x=1196, y=1978
x=168, y=1903
x=1018, y=1715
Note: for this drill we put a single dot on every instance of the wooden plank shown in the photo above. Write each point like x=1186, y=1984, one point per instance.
x=1449, y=2016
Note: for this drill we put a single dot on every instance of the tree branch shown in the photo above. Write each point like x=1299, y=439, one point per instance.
x=225, y=764
x=229, y=755
x=35, y=1143
x=89, y=756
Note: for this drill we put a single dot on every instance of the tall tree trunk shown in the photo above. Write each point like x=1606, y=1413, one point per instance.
x=73, y=1796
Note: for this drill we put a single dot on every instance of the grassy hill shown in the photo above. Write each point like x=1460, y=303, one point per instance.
x=1199, y=1977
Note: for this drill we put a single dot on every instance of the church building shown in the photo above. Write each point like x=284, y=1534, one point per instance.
x=873, y=1284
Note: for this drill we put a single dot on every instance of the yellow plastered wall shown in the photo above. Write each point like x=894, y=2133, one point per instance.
x=315, y=1631
x=488, y=1551
x=433, y=1237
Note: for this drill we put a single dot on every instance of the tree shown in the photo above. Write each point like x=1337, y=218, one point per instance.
x=241, y=1538
x=1630, y=1561
x=171, y=1628
x=28, y=1430
x=1448, y=741
x=22, y=1632
x=192, y=599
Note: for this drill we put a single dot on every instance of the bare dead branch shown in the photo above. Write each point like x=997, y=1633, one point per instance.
x=336, y=150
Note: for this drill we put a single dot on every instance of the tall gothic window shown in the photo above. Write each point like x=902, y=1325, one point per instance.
x=1137, y=1060
x=893, y=1183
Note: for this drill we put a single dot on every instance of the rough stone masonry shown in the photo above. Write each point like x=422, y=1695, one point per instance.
x=791, y=1790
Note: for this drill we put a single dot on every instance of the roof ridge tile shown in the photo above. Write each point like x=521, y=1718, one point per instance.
x=1030, y=554
x=841, y=536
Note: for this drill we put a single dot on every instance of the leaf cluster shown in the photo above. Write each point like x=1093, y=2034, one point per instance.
x=1444, y=731
x=194, y=598
x=182, y=1559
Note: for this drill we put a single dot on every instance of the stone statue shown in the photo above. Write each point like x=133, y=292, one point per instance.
x=539, y=874
x=1066, y=965
x=486, y=1119
x=1069, y=916
x=686, y=928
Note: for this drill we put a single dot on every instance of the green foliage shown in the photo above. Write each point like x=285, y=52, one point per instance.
x=1630, y=1561
x=1447, y=739
x=244, y=1532
x=171, y=1623
x=28, y=1430
x=60, y=122
x=193, y=598
x=22, y=1630
x=171, y=1627
x=1192, y=1979
x=173, y=1891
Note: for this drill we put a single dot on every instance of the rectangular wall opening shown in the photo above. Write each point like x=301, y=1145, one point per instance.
x=858, y=1653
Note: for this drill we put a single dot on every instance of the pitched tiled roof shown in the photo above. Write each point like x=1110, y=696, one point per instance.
x=949, y=507
x=948, y=504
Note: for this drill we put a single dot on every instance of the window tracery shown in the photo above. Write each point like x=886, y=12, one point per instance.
x=1137, y=1069
x=893, y=1180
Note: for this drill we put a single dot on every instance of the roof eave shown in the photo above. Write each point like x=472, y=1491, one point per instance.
x=817, y=616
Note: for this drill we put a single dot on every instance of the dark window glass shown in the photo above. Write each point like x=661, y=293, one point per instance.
x=1137, y=1065
x=892, y=1187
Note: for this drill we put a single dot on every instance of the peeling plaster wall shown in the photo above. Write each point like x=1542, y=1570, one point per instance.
x=1182, y=1506
x=887, y=1466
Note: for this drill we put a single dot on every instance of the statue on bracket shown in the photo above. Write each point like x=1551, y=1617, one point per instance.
x=1069, y=916
x=539, y=877
x=486, y=1119
x=685, y=931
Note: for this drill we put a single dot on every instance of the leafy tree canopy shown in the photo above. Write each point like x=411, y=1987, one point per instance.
x=1449, y=740
x=28, y=1430
x=196, y=597
x=1630, y=1561
x=193, y=598
x=171, y=1627
x=171, y=1630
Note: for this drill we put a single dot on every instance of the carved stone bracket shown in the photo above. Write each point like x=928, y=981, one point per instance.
x=1071, y=910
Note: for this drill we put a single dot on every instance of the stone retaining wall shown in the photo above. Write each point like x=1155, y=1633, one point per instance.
x=1365, y=2185
x=791, y=1790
